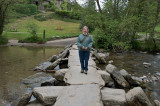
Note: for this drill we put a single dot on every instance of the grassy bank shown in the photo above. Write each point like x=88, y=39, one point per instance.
x=68, y=29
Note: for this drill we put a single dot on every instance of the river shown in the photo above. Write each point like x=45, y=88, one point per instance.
x=16, y=63
x=133, y=63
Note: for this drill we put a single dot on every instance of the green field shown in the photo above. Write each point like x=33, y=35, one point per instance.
x=50, y=26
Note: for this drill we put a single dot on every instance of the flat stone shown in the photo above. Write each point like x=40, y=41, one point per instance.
x=80, y=95
x=77, y=63
x=113, y=97
x=74, y=77
x=47, y=95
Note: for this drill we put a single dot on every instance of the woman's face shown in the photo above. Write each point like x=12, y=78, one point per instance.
x=85, y=30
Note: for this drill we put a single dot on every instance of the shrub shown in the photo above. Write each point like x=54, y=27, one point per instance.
x=27, y=9
x=3, y=40
x=40, y=17
x=32, y=28
x=68, y=14
x=32, y=39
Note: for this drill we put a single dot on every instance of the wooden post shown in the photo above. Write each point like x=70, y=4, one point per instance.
x=43, y=34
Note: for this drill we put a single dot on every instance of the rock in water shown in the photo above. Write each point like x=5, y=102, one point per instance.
x=47, y=95
x=80, y=95
x=24, y=99
x=137, y=97
x=49, y=82
x=59, y=74
x=115, y=74
x=53, y=58
x=42, y=66
x=36, y=79
x=157, y=103
x=113, y=97
x=53, y=65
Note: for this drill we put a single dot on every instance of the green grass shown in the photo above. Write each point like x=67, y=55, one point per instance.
x=50, y=26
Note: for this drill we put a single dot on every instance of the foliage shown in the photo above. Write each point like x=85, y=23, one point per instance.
x=52, y=6
x=68, y=14
x=90, y=16
x=32, y=28
x=43, y=17
x=3, y=40
x=118, y=24
x=32, y=39
x=25, y=9
x=64, y=5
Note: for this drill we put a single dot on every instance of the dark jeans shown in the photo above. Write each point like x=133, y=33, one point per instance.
x=84, y=57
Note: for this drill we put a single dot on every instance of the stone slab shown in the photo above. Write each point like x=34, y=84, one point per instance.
x=113, y=97
x=47, y=95
x=80, y=95
x=74, y=77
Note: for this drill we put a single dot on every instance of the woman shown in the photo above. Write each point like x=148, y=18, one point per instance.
x=84, y=43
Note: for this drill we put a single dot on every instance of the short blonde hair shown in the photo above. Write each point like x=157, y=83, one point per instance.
x=86, y=27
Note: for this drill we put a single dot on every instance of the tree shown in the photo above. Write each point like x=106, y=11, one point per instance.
x=155, y=22
x=4, y=5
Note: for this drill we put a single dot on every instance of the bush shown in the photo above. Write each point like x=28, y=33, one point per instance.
x=27, y=9
x=32, y=39
x=68, y=14
x=40, y=17
x=32, y=28
x=3, y=40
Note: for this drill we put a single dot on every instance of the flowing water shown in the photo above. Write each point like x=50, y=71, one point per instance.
x=133, y=64
x=16, y=63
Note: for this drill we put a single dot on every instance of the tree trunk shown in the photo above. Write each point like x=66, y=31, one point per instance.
x=102, y=19
x=155, y=24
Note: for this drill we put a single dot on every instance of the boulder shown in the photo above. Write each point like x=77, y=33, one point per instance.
x=110, y=68
x=80, y=95
x=113, y=97
x=157, y=103
x=59, y=74
x=105, y=76
x=99, y=57
x=103, y=55
x=49, y=82
x=128, y=78
x=47, y=95
x=115, y=74
x=53, y=65
x=24, y=99
x=42, y=66
x=110, y=62
x=124, y=73
x=36, y=79
x=63, y=63
x=53, y=58
x=137, y=97
x=138, y=81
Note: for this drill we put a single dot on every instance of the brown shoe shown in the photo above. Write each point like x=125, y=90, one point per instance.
x=82, y=71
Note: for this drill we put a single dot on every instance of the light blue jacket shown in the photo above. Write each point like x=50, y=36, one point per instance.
x=86, y=43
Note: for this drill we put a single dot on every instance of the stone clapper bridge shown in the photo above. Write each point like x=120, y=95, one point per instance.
x=82, y=89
